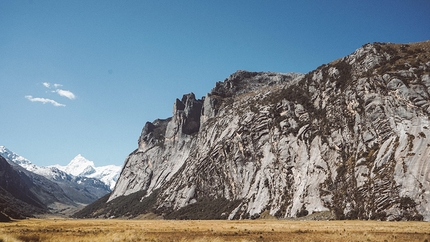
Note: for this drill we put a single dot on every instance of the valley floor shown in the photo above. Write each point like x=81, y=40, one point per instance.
x=211, y=230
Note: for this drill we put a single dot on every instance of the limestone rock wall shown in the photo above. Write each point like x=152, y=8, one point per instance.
x=349, y=138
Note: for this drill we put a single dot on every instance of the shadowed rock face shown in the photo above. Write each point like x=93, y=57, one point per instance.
x=191, y=111
x=349, y=137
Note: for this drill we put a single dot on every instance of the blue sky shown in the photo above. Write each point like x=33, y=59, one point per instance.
x=83, y=77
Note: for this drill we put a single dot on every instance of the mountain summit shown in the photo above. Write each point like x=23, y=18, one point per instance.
x=80, y=166
x=346, y=141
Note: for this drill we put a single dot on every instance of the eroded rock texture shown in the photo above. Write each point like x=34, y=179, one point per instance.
x=350, y=137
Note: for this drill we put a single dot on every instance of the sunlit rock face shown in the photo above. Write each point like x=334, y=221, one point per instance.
x=350, y=137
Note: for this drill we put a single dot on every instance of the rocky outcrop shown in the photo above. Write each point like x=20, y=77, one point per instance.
x=164, y=145
x=349, y=138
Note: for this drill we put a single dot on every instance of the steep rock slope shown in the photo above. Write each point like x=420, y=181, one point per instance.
x=349, y=138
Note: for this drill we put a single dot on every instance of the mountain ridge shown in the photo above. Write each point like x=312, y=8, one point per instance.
x=59, y=192
x=78, y=167
x=348, y=139
x=26, y=194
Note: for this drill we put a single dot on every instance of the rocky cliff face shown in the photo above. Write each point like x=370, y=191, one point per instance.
x=349, y=138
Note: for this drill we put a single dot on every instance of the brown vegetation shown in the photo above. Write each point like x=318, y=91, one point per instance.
x=211, y=230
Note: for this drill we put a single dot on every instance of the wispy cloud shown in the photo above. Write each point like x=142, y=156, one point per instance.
x=49, y=85
x=65, y=93
x=54, y=88
x=44, y=100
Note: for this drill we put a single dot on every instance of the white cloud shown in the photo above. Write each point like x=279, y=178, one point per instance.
x=44, y=100
x=65, y=93
x=61, y=92
x=48, y=85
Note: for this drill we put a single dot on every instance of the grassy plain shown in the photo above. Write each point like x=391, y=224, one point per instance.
x=211, y=230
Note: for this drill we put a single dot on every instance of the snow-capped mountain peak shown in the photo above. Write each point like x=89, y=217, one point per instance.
x=10, y=155
x=80, y=166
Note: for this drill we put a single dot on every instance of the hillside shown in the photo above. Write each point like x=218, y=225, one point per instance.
x=17, y=194
x=348, y=139
x=53, y=190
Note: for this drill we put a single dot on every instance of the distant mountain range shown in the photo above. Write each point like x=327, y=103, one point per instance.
x=78, y=167
x=54, y=189
x=82, y=167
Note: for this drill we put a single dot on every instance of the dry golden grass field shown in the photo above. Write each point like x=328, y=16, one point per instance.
x=211, y=230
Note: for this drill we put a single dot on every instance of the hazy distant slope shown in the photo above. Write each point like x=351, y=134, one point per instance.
x=39, y=191
x=17, y=199
x=54, y=189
